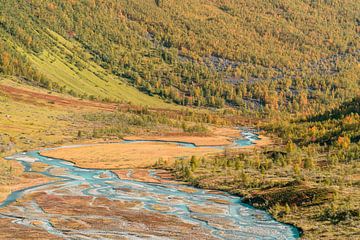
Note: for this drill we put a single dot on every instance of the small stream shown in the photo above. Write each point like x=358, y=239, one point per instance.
x=236, y=220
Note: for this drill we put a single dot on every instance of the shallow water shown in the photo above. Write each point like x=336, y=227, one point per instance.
x=223, y=215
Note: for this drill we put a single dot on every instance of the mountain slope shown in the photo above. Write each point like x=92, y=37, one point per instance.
x=286, y=55
x=58, y=68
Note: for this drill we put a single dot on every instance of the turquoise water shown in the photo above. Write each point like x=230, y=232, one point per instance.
x=236, y=221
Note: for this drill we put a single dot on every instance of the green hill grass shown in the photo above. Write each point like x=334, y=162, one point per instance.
x=57, y=70
x=86, y=78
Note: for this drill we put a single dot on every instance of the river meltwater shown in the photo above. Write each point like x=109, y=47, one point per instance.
x=97, y=204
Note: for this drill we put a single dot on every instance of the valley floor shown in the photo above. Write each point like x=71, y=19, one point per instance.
x=62, y=120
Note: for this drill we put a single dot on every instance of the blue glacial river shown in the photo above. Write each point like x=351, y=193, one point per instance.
x=234, y=220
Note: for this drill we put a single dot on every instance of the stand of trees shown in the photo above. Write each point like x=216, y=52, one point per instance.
x=200, y=54
x=311, y=180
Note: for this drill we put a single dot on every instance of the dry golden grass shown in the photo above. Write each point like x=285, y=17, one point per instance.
x=197, y=140
x=206, y=210
x=17, y=179
x=262, y=142
x=139, y=174
x=215, y=137
x=132, y=155
x=146, y=154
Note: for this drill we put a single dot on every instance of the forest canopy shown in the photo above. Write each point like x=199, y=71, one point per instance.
x=289, y=56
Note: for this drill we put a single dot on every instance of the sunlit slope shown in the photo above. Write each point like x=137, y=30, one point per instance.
x=259, y=55
x=69, y=67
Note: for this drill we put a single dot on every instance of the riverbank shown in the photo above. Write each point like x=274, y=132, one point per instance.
x=13, y=178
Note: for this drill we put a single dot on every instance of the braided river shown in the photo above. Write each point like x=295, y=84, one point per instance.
x=83, y=203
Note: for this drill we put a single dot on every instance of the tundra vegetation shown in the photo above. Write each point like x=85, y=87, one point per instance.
x=75, y=71
x=310, y=178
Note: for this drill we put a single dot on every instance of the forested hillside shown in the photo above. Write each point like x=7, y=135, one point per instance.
x=286, y=70
x=272, y=55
